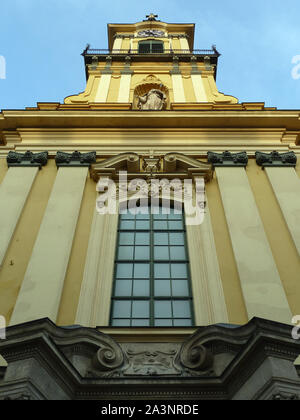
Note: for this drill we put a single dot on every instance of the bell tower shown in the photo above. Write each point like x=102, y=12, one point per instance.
x=151, y=56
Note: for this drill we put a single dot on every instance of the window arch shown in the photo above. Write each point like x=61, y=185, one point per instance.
x=152, y=280
x=151, y=47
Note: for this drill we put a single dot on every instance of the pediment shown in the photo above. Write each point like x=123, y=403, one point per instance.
x=170, y=165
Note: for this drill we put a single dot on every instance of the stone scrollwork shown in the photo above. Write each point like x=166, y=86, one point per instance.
x=27, y=159
x=228, y=159
x=108, y=358
x=276, y=159
x=75, y=159
x=196, y=358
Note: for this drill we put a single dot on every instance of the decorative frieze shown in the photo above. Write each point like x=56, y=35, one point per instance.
x=27, y=159
x=63, y=159
x=276, y=159
x=228, y=159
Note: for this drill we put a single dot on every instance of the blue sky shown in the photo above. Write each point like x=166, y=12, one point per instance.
x=41, y=41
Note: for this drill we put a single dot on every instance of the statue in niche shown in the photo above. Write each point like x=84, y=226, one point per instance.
x=155, y=100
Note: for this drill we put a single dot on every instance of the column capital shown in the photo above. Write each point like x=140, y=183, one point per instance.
x=75, y=159
x=228, y=159
x=275, y=159
x=30, y=159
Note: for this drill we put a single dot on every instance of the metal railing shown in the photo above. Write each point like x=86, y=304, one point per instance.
x=89, y=51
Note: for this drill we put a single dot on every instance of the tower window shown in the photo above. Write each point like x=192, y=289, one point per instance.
x=151, y=47
x=152, y=286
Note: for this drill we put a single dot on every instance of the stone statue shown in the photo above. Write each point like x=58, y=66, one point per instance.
x=155, y=99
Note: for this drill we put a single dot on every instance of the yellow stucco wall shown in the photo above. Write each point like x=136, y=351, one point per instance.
x=20, y=249
x=3, y=169
x=230, y=279
x=74, y=276
x=282, y=246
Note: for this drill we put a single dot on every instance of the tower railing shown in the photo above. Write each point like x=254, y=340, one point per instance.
x=88, y=51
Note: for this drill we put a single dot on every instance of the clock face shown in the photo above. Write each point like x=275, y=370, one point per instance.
x=150, y=32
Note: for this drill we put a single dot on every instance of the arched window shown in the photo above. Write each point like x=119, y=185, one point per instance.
x=151, y=47
x=152, y=281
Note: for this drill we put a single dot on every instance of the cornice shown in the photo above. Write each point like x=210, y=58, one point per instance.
x=94, y=116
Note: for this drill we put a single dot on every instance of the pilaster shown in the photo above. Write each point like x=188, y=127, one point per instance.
x=261, y=284
x=43, y=283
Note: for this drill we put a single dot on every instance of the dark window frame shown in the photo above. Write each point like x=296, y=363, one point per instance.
x=152, y=262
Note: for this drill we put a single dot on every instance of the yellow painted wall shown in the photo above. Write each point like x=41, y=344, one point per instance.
x=74, y=276
x=20, y=249
x=188, y=89
x=280, y=240
x=113, y=92
x=231, y=283
x=3, y=169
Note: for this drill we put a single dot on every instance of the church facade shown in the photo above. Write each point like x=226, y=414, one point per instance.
x=105, y=295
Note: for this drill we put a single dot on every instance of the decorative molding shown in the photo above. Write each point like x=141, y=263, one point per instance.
x=83, y=363
x=126, y=69
x=172, y=164
x=27, y=159
x=75, y=159
x=276, y=159
x=228, y=159
x=107, y=69
x=175, y=69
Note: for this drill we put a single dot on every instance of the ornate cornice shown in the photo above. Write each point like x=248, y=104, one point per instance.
x=228, y=159
x=276, y=159
x=215, y=362
x=27, y=159
x=75, y=159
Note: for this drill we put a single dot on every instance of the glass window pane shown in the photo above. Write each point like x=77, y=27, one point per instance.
x=161, y=239
x=162, y=288
x=177, y=253
x=163, y=323
x=142, y=225
x=123, y=288
x=180, y=288
x=142, y=238
x=140, y=309
x=125, y=215
x=176, y=238
x=127, y=225
x=181, y=309
x=125, y=253
x=161, y=271
x=175, y=225
x=182, y=322
x=141, y=271
x=124, y=271
x=121, y=323
x=178, y=271
x=142, y=253
x=122, y=308
x=162, y=309
x=140, y=323
x=160, y=225
x=143, y=216
x=160, y=216
x=141, y=288
x=126, y=238
x=161, y=253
